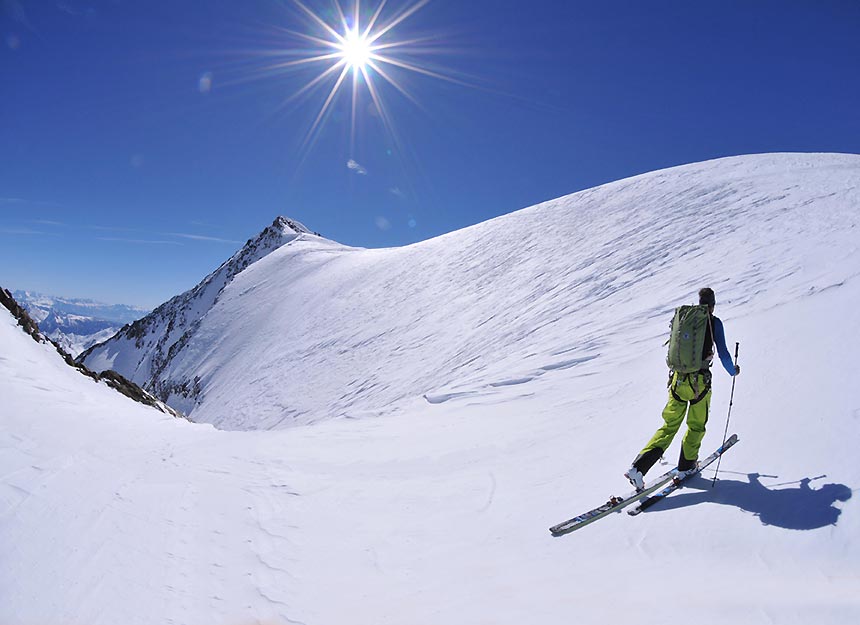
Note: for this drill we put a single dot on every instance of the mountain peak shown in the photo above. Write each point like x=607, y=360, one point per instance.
x=281, y=231
x=165, y=330
x=285, y=225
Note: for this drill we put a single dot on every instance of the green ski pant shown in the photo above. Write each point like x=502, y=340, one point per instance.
x=690, y=395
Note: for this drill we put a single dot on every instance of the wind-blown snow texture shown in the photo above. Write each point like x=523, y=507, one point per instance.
x=515, y=369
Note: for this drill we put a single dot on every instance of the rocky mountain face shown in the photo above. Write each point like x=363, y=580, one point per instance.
x=143, y=350
x=20, y=313
x=111, y=378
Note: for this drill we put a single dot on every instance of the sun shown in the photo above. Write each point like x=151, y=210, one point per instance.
x=358, y=53
x=356, y=50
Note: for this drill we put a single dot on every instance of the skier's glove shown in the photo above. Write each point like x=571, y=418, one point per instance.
x=737, y=369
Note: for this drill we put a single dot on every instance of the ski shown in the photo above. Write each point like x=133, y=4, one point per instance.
x=613, y=505
x=646, y=503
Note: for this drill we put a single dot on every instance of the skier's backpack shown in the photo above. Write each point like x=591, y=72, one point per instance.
x=691, y=343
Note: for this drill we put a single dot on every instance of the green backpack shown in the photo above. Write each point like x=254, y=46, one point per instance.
x=690, y=339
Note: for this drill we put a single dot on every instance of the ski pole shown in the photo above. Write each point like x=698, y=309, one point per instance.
x=731, y=399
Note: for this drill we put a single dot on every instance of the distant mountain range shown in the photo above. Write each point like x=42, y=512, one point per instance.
x=76, y=324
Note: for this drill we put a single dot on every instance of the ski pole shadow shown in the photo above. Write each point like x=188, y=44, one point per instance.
x=798, y=508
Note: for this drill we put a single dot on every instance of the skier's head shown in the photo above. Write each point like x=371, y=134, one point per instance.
x=706, y=296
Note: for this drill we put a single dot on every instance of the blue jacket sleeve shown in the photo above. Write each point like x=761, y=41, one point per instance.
x=722, y=350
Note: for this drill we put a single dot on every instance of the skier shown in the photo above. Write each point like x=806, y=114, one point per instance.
x=689, y=386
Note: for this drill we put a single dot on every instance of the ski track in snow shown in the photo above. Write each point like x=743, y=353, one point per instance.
x=496, y=381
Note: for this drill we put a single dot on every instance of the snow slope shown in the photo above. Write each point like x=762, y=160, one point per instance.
x=518, y=402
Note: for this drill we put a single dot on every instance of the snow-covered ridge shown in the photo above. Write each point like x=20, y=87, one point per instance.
x=312, y=331
x=142, y=350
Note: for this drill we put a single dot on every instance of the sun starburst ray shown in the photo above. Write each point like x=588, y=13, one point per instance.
x=373, y=18
x=405, y=43
x=320, y=21
x=406, y=13
x=379, y=70
x=354, y=112
x=300, y=35
x=313, y=83
x=341, y=15
x=409, y=11
x=415, y=68
x=307, y=61
x=356, y=11
x=380, y=107
x=325, y=107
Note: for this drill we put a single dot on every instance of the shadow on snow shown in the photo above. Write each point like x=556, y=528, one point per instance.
x=798, y=508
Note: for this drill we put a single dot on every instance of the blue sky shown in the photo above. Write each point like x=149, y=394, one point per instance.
x=141, y=143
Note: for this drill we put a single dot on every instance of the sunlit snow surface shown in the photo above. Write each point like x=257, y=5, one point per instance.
x=463, y=395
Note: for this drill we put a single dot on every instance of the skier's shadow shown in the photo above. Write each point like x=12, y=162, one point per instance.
x=798, y=508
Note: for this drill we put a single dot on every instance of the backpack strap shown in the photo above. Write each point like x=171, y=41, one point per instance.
x=701, y=395
x=709, y=347
x=694, y=384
